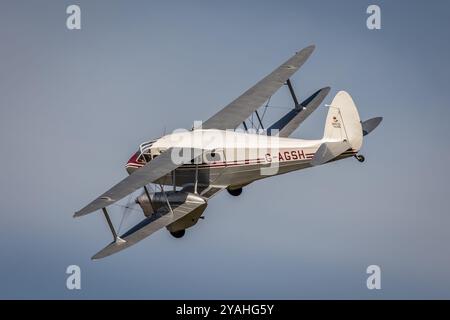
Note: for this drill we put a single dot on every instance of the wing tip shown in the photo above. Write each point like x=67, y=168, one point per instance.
x=309, y=49
x=96, y=257
x=105, y=252
x=80, y=213
x=324, y=91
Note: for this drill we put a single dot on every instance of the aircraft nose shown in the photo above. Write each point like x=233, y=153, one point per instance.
x=133, y=163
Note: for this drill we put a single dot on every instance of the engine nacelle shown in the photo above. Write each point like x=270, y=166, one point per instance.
x=176, y=198
x=159, y=200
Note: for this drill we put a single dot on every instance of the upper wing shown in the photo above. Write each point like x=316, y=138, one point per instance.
x=240, y=109
x=152, y=171
x=146, y=227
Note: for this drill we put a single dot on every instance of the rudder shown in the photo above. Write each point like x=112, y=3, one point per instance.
x=343, y=122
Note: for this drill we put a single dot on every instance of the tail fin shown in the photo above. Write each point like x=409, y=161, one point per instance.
x=343, y=123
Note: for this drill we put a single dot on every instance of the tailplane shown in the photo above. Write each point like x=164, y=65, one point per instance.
x=369, y=125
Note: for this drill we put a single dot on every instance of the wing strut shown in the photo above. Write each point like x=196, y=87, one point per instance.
x=259, y=119
x=116, y=238
x=174, y=181
x=196, y=178
x=297, y=105
x=149, y=199
x=291, y=90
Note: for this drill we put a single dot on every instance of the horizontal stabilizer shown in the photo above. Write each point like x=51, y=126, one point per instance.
x=156, y=221
x=328, y=151
x=369, y=125
x=292, y=120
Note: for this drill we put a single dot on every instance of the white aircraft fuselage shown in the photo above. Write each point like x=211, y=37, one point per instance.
x=234, y=159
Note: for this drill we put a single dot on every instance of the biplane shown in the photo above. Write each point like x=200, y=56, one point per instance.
x=178, y=173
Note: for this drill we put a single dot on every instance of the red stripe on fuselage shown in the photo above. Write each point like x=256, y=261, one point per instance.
x=292, y=155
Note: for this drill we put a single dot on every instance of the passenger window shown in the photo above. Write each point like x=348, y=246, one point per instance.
x=213, y=156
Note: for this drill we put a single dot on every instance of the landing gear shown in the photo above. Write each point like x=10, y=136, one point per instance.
x=360, y=157
x=235, y=192
x=178, y=234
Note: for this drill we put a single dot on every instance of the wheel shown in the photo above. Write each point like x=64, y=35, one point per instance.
x=235, y=192
x=178, y=234
x=360, y=157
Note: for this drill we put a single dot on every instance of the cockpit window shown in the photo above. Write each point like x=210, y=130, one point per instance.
x=146, y=146
x=139, y=158
x=146, y=153
x=147, y=156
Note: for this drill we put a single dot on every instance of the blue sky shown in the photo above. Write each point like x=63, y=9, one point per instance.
x=74, y=105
